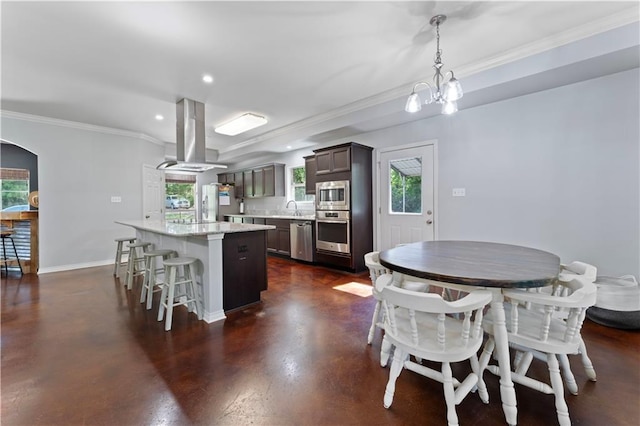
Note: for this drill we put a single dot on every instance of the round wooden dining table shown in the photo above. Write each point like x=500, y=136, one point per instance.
x=467, y=265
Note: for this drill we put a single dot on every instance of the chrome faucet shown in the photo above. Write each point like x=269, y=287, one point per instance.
x=295, y=205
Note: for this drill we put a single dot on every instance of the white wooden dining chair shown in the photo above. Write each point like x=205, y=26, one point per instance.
x=420, y=324
x=538, y=333
x=372, y=261
x=567, y=273
x=589, y=273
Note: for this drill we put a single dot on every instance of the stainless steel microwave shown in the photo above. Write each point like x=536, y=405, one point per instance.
x=332, y=195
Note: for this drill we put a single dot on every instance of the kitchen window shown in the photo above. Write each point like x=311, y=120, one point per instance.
x=180, y=197
x=297, y=188
x=15, y=188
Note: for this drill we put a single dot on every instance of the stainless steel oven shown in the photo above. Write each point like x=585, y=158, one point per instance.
x=332, y=195
x=332, y=231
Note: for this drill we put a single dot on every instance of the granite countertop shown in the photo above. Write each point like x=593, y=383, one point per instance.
x=275, y=216
x=190, y=229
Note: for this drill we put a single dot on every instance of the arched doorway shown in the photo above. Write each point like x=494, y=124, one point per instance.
x=19, y=203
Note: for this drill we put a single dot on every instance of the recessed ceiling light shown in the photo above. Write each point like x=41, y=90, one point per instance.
x=207, y=78
x=159, y=117
x=241, y=124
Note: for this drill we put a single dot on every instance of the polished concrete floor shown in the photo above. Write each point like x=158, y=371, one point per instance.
x=78, y=349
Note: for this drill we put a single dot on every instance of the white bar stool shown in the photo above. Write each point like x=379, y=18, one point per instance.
x=135, y=265
x=151, y=271
x=119, y=252
x=183, y=288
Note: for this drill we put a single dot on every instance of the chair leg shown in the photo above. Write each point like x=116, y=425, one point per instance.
x=482, y=387
x=374, y=320
x=131, y=268
x=558, y=390
x=4, y=254
x=568, y=374
x=385, y=351
x=396, y=368
x=197, y=295
x=487, y=350
x=170, y=299
x=524, y=363
x=15, y=252
x=118, y=258
x=148, y=277
x=586, y=361
x=164, y=304
x=449, y=394
x=152, y=285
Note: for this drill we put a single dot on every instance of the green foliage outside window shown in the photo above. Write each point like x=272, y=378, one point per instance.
x=299, y=176
x=298, y=179
x=182, y=190
x=406, y=193
x=14, y=192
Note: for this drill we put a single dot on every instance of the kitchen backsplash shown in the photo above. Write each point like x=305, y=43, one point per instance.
x=276, y=206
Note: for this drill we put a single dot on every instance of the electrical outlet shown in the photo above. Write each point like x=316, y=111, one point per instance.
x=458, y=192
x=116, y=199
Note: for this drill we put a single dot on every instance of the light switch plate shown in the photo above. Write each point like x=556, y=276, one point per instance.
x=116, y=199
x=458, y=192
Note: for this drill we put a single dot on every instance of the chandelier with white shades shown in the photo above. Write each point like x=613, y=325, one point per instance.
x=445, y=93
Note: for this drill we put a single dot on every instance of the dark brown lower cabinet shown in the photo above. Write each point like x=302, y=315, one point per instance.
x=279, y=239
x=244, y=276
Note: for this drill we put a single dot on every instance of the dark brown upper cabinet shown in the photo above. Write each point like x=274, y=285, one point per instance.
x=262, y=181
x=310, y=174
x=333, y=160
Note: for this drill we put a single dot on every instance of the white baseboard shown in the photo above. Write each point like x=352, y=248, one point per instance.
x=210, y=317
x=71, y=267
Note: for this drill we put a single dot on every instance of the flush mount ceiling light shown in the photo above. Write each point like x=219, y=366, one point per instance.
x=445, y=93
x=207, y=78
x=159, y=117
x=241, y=124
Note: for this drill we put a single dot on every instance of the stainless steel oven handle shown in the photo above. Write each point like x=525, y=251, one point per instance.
x=332, y=221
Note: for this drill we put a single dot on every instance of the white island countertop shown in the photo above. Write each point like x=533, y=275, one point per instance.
x=191, y=229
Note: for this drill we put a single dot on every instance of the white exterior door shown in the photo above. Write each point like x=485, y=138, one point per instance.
x=152, y=193
x=406, y=183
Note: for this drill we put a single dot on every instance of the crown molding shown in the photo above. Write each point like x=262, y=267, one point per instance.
x=607, y=23
x=571, y=35
x=79, y=126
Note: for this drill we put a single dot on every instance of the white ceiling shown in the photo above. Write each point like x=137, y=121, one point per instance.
x=316, y=70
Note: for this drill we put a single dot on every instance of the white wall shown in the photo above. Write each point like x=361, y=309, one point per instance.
x=557, y=170
x=79, y=170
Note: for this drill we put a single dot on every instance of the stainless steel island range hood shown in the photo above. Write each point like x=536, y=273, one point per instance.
x=190, y=140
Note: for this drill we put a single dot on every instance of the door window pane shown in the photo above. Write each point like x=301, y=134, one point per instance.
x=405, y=185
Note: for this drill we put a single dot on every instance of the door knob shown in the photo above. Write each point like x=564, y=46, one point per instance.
x=429, y=222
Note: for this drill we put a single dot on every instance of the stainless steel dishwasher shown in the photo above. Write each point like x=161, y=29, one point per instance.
x=301, y=240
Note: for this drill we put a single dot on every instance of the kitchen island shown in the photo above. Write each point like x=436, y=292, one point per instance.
x=233, y=258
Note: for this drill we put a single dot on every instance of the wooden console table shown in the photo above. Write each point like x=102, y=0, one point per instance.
x=8, y=219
